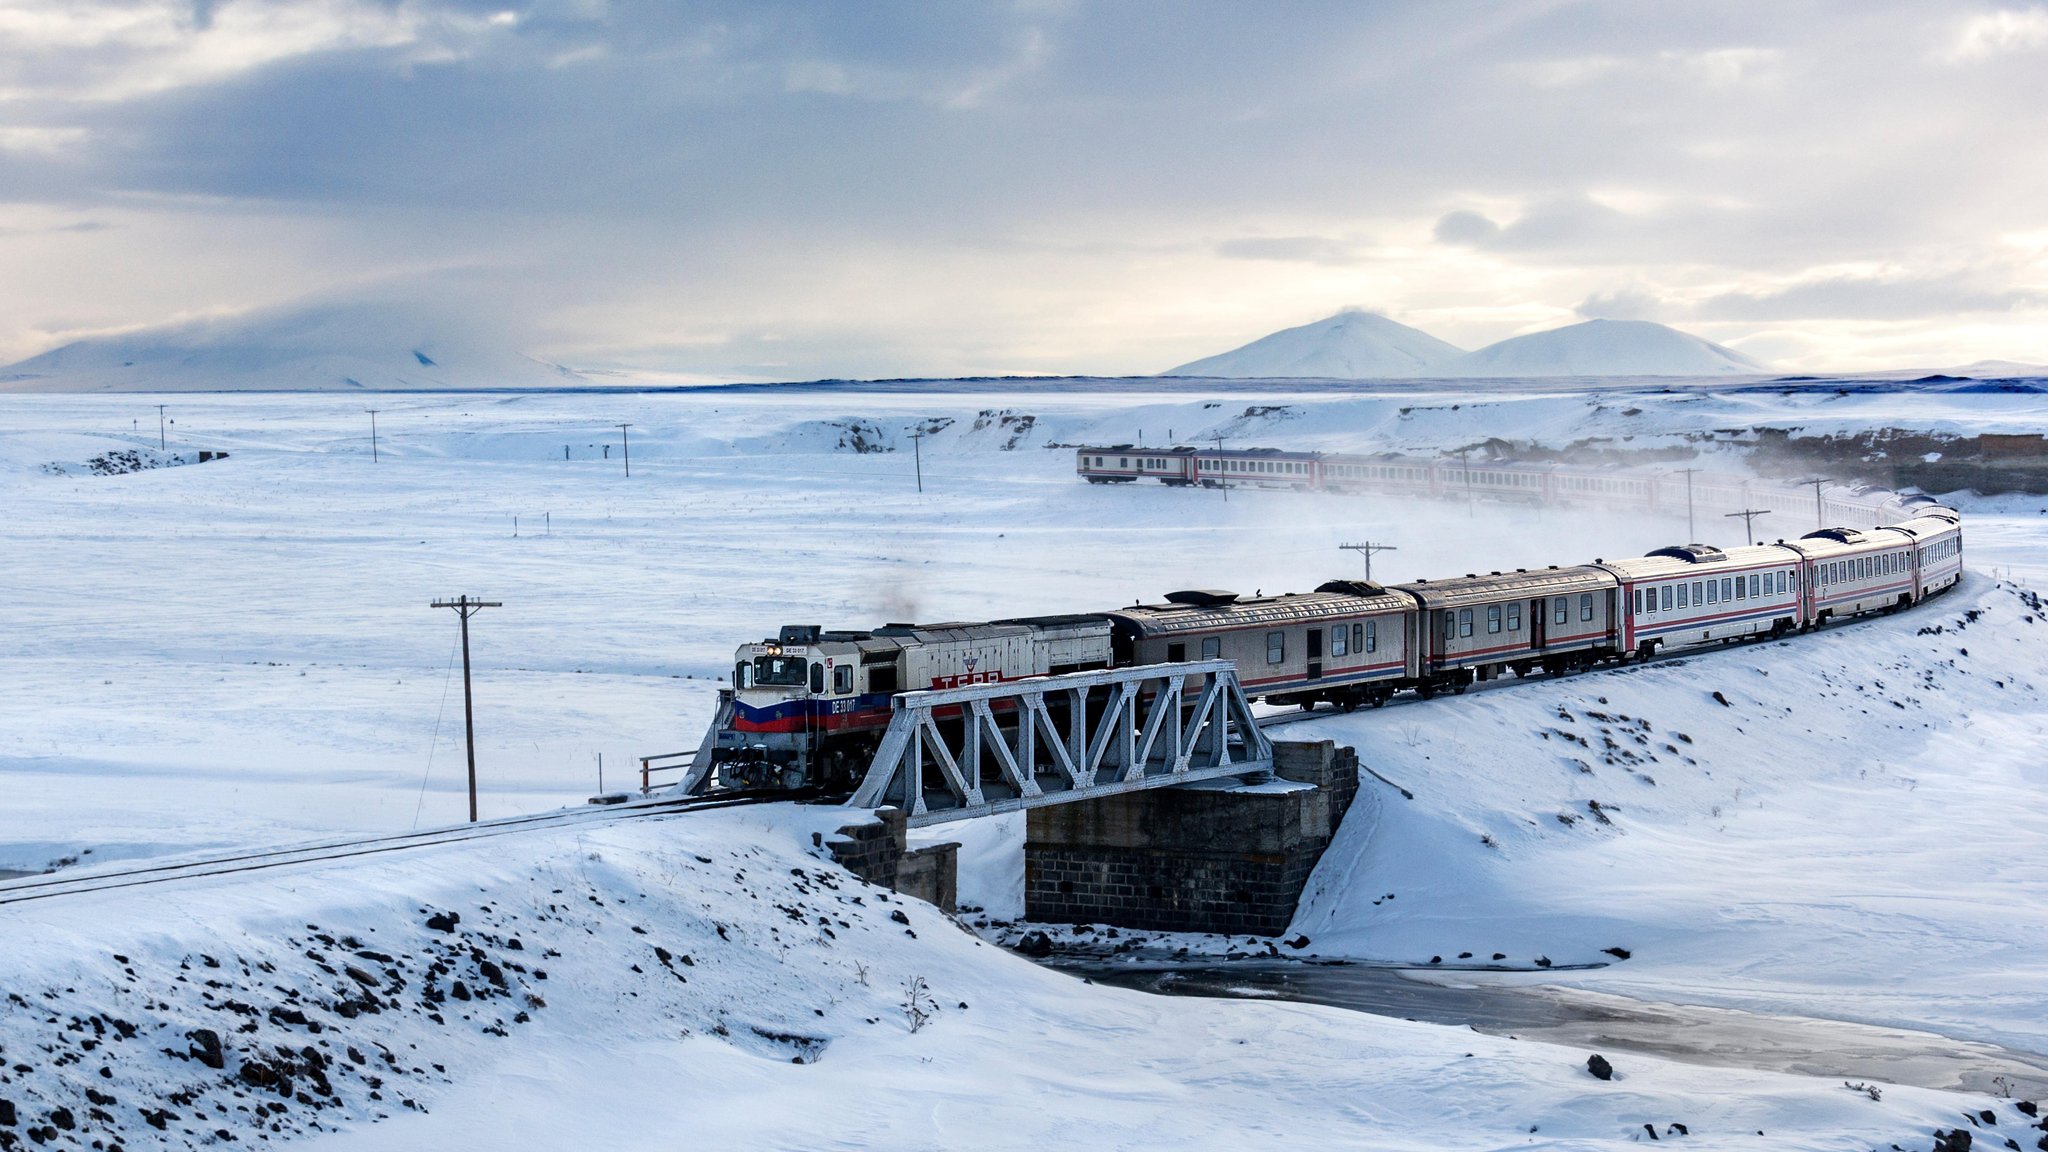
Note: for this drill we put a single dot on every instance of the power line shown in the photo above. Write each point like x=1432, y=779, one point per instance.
x=465, y=607
x=1366, y=548
x=1820, y=515
x=1692, y=534
x=1749, y=516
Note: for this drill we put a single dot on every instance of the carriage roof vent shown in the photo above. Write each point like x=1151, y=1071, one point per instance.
x=1352, y=587
x=1202, y=597
x=1692, y=553
x=1553, y=567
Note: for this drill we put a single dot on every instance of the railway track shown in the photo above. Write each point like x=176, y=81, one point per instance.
x=52, y=886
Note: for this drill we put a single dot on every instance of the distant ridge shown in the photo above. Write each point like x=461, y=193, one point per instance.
x=303, y=348
x=1351, y=345
x=1603, y=348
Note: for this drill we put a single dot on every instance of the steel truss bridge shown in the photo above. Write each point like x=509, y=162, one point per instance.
x=958, y=753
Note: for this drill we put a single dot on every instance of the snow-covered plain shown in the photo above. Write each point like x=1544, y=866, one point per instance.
x=241, y=652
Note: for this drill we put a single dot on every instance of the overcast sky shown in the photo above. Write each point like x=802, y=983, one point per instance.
x=793, y=190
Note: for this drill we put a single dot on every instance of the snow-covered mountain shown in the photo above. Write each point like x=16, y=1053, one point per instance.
x=1351, y=345
x=1603, y=348
x=307, y=347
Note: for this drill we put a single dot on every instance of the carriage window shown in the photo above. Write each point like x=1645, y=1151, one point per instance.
x=1699, y=591
x=1681, y=595
x=1726, y=593
x=1564, y=610
x=1372, y=635
x=1756, y=586
x=817, y=679
x=1464, y=621
x=1781, y=583
x=842, y=678
x=743, y=675
x=1276, y=647
x=1586, y=606
x=1212, y=647
x=1493, y=618
x=1450, y=624
x=1515, y=617
x=1649, y=601
x=1123, y=461
x=1741, y=588
x=1175, y=653
x=1666, y=597
x=1340, y=637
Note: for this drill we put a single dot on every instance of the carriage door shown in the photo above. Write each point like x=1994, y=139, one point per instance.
x=1315, y=653
x=1538, y=621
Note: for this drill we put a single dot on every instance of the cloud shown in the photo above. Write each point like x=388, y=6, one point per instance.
x=1868, y=298
x=901, y=189
x=1294, y=249
x=1549, y=223
x=1997, y=33
x=1633, y=302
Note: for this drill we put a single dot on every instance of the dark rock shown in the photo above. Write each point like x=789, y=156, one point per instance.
x=1988, y=1116
x=206, y=1048
x=1651, y=1129
x=1599, y=1067
x=1035, y=944
x=1298, y=942
x=7, y=1117
x=1436, y=959
x=1618, y=953
x=1722, y=700
x=444, y=921
x=62, y=1118
x=1500, y=955
x=1543, y=961
x=359, y=976
x=1680, y=1129
x=2027, y=1106
x=899, y=916
x=1958, y=1140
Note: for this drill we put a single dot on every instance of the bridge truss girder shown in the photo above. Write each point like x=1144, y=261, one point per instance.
x=957, y=753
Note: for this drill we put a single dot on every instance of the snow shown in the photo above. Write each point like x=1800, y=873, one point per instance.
x=1351, y=345
x=1603, y=348
x=240, y=652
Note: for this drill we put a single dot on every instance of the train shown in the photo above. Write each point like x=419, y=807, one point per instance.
x=807, y=707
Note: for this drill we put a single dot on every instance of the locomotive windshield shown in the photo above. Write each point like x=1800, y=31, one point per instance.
x=778, y=671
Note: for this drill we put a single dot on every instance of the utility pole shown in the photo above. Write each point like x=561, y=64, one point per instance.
x=1692, y=534
x=1749, y=516
x=466, y=607
x=626, y=448
x=1366, y=549
x=1820, y=515
x=160, y=429
x=373, y=434
x=1225, y=475
x=917, y=454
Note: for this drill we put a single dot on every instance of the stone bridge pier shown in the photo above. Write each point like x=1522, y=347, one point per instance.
x=1224, y=857
x=1219, y=856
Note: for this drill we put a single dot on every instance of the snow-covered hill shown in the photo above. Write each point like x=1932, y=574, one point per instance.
x=1603, y=348
x=304, y=348
x=1351, y=345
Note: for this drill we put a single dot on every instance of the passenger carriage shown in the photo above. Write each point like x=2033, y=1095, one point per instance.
x=1347, y=642
x=1697, y=594
x=1477, y=627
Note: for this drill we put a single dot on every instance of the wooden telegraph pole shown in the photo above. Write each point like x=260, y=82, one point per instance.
x=466, y=607
x=626, y=448
x=1749, y=516
x=1366, y=548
